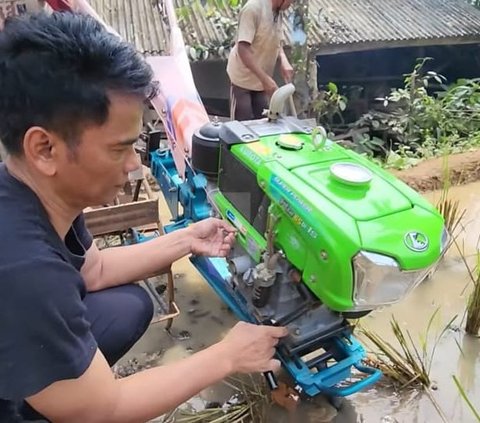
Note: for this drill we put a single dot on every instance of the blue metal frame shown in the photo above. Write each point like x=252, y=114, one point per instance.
x=191, y=193
x=331, y=380
x=163, y=170
x=349, y=353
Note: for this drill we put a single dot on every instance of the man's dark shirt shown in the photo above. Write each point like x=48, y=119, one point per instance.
x=44, y=336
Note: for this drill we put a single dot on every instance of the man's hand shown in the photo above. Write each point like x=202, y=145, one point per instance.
x=211, y=237
x=286, y=70
x=269, y=86
x=251, y=348
x=246, y=55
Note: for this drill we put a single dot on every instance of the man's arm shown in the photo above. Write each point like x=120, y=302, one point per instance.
x=97, y=396
x=286, y=69
x=120, y=265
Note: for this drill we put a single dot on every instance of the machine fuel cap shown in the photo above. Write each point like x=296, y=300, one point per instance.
x=290, y=142
x=351, y=173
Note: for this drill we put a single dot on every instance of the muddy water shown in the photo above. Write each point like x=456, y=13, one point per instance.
x=468, y=197
x=205, y=319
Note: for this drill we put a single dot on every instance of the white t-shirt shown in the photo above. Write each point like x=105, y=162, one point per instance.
x=257, y=27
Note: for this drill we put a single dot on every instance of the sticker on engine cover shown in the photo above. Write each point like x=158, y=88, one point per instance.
x=235, y=222
x=288, y=193
x=297, y=219
x=255, y=158
x=259, y=148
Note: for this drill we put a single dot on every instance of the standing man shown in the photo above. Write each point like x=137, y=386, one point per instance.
x=252, y=60
x=71, y=106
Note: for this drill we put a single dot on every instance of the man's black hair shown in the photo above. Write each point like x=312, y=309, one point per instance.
x=56, y=72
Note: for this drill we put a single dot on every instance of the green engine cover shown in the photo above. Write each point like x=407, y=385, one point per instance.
x=324, y=216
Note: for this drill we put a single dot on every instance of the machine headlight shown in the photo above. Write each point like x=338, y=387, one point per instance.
x=380, y=281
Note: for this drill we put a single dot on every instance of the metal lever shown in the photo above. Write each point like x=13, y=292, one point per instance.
x=271, y=380
x=270, y=376
x=282, y=394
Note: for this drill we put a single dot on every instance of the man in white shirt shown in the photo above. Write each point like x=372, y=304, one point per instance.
x=252, y=60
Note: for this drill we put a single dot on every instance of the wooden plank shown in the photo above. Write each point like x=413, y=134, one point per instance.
x=105, y=220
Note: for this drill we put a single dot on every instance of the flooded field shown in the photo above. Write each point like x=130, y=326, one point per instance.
x=204, y=320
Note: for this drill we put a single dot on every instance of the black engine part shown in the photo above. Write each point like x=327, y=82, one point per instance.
x=206, y=149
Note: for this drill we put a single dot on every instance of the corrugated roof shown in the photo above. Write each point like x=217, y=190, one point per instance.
x=137, y=21
x=336, y=25
x=367, y=23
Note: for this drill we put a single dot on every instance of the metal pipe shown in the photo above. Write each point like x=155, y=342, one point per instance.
x=277, y=102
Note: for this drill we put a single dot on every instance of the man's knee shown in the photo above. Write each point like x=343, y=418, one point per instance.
x=119, y=317
x=140, y=307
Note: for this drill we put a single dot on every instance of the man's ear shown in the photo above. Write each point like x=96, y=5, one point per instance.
x=41, y=149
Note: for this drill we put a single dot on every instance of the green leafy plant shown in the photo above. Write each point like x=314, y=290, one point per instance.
x=466, y=399
x=425, y=118
x=449, y=208
x=328, y=105
x=223, y=14
x=472, y=326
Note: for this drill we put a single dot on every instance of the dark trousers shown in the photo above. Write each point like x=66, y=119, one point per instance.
x=247, y=104
x=118, y=317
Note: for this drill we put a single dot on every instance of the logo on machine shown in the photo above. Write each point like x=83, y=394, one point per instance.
x=416, y=241
x=230, y=216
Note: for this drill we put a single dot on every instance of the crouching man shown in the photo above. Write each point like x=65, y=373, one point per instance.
x=71, y=106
